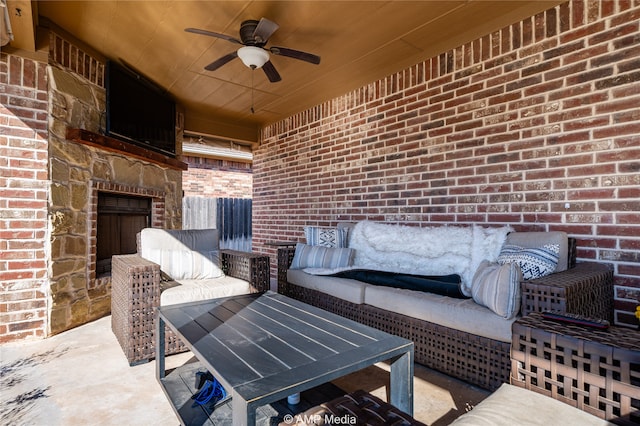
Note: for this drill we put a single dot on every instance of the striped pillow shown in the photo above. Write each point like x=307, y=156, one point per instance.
x=326, y=237
x=497, y=287
x=307, y=256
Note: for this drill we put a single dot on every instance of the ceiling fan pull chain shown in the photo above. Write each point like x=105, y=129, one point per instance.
x=252, y=72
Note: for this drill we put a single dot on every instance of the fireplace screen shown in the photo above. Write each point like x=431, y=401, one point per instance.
x=120, y=218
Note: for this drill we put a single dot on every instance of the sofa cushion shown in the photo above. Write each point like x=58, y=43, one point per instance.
x=446, y=285
x=534, y=262
x=178, y=239
x=187, y=264
x=498, y=288
x=343, y=288
x=196, y=290
x=326, y=237
x=307, y=256
x=511, y=405
x=461, y=314
x=539, y=239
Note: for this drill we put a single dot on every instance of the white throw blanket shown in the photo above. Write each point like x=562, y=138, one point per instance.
x=440, y=250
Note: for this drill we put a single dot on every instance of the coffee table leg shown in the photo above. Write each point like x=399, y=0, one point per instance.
x=243, y=414
x=160, y=371
x=402, y=382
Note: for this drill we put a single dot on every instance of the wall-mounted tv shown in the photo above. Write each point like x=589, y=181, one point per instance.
x=138, y=111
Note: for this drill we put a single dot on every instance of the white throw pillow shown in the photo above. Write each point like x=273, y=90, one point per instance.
x=498, y=288
x=188, y=264
x=307, y=256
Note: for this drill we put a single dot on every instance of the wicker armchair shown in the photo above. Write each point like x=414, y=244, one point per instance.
x=136, y=285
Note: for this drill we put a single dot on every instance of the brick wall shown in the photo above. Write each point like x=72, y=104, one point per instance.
x=23, y=198
x=210, y=178
x=536, y=126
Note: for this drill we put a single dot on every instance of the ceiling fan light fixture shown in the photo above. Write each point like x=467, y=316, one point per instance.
x=253, y=57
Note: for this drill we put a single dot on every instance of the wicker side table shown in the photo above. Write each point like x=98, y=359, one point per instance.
x=586, y=290
x=134, y=297
x=593, y=370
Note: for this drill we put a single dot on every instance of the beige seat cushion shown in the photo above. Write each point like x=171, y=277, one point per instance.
x=511, y=405
x=343, y=288
x=196, y=290
x=460, y=314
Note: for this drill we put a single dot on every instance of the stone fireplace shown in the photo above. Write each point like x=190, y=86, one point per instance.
x=120, y=217
x=120, y=213
x=84, y=175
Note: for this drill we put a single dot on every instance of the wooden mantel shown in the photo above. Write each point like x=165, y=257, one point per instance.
x=106, y=143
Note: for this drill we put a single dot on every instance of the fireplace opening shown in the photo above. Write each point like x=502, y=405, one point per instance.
x=120, y=218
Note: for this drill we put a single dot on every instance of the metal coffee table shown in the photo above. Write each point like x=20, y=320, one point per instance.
x=264, y=347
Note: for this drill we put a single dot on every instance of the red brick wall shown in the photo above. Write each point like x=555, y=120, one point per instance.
x=23, y=198
x=536, y=126
x=210, y=178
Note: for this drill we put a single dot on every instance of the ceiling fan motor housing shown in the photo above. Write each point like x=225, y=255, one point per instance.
x=247, y=29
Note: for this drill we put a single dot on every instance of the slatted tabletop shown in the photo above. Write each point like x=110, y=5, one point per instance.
x=264, y=347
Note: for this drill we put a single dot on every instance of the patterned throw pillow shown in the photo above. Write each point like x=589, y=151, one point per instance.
x=534, y=262
x=307, y=256
x=326, y=237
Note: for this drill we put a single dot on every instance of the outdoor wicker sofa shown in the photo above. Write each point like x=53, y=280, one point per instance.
x=137, y=285
x=584, y=288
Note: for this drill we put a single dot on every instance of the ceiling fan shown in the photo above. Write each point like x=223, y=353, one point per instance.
x=254, y=35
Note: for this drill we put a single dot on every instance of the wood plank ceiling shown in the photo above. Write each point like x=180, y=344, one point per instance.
x=359, y=42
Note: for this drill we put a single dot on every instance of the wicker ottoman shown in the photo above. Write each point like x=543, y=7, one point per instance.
x=593, y=370
x=359, y=408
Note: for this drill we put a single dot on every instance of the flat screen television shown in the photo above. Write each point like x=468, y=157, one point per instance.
x=138, y=111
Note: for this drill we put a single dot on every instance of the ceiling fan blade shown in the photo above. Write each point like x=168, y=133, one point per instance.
x=295, y=54
x=264, y=30
x=271, y=72
x=220, y=62
x=212, y=34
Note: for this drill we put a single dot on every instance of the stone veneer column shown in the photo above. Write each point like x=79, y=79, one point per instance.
x=77, y=173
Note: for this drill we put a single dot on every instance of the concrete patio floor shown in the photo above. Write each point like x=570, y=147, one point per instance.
x=81, y=377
